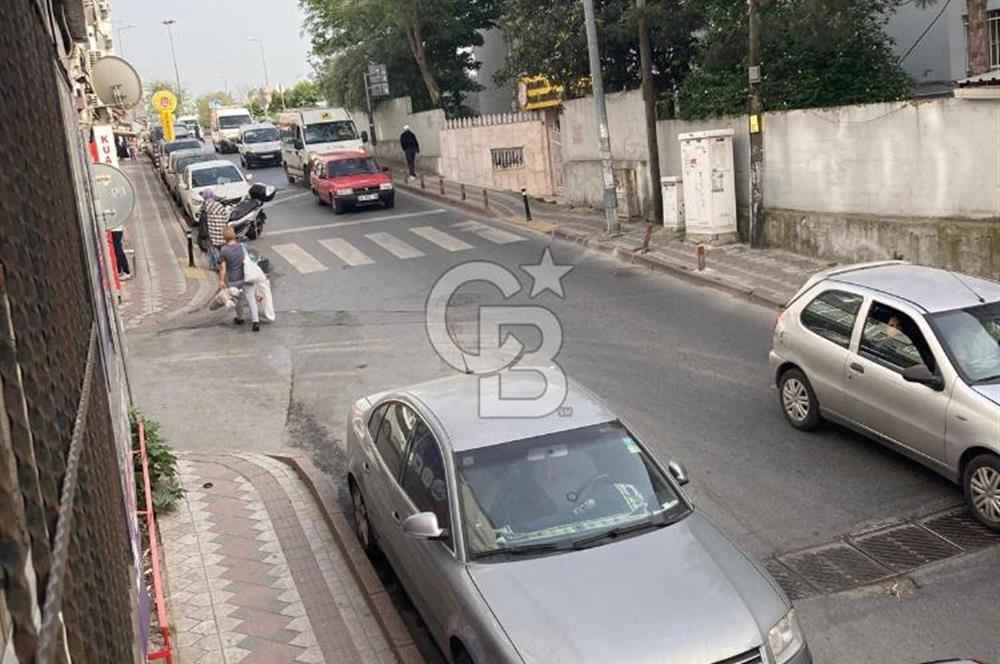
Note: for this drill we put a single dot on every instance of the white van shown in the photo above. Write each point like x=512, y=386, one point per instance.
x=306, y=133
x=258, y=145
x=226, y=123
x=191, y=122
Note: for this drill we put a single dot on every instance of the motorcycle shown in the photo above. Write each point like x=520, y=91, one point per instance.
x=246, y=214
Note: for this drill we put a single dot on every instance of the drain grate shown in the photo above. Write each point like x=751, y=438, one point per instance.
x=961, y=529
x=904, y=547
x=835, y=567
x=795, y=587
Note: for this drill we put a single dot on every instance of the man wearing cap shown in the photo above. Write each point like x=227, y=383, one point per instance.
x=408, y=142
x=213, y=220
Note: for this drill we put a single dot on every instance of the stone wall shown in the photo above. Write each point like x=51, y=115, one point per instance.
x=391, y=115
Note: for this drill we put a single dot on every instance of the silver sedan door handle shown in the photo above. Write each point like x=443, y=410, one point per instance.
x=857, y=368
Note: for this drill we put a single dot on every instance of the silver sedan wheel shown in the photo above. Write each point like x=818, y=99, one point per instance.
x=984, y=486
x=795, y=399
x=361, y=518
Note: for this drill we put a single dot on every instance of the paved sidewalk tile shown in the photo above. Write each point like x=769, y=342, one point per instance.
x=254, y=575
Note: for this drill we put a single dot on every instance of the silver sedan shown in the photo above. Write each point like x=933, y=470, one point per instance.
x=552, y=540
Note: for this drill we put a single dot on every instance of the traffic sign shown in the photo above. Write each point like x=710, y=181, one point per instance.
x=164, y=100
x=216, y=103
x=115, y=195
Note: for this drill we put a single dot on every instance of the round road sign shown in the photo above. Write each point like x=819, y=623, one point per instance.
x=115, y=195
x=164, y=100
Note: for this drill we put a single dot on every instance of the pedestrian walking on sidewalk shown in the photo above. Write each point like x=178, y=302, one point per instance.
x=212, y=221
x=231, y=257
x=411, y=147
x=121, y=260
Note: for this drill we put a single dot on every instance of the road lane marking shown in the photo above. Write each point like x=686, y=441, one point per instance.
x=346, y=251
x=367, y=220
x=494, y=235
x=299, y=258
x=284, y=199
x=394, y=245
x=440, y=238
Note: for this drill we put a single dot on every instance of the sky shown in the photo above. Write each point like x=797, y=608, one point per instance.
x=210, y=37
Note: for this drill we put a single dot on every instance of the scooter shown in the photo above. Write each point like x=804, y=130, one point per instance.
x=247, y=216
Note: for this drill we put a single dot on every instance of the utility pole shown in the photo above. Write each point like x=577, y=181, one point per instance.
x=173, y=53
x=371, y=118
x=601, y=110
x=263, y=62
x=121, y=44
x=756, y=131
x=649, y=99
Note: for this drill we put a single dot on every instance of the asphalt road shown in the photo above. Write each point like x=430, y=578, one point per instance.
x=685, y=365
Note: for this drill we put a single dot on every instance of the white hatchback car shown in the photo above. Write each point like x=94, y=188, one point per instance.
x=221, y=176
x=259, y=145
x=906, y=354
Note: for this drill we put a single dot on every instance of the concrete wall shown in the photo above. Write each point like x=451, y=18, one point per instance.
x=466, y=146
x=391, y=115
x=581, y=160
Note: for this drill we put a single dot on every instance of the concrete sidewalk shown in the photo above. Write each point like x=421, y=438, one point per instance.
x=769, y=276
x=162, y=284
x=256, y=574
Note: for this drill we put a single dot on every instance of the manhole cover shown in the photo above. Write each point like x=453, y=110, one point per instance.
x=835, y=567
x=905, y=547
x=793, y=586
x=961, y=529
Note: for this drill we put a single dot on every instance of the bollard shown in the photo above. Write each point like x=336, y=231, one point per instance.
x=486, y=200
x=422, y=186
x=461, y=189
x=441, y=185
x=701, y=257
x=527, y=208
x=187, y=234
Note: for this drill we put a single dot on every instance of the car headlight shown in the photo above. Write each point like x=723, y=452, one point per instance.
x=785, y=639
x=385, y=186
x=345, y=192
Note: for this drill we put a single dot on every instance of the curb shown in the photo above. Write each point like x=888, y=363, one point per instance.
x=593, y=241
x=321, y=487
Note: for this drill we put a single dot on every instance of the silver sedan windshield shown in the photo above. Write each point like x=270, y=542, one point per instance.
x=558, y=488
x=972, y=338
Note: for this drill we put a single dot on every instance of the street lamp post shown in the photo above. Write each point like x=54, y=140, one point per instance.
x=121, y=44
x=173, y=53
x=263, y=62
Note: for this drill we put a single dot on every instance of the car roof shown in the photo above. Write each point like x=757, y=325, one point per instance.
x=211, y=164
x=341, y=154
x=454, y=402
x=929, y=288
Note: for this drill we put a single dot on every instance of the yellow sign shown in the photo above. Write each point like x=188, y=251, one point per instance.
x=167, y=122
x=534, y=92
x=164, y=100
x=754, y=124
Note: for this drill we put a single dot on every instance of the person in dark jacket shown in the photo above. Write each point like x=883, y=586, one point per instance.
x=408, y=141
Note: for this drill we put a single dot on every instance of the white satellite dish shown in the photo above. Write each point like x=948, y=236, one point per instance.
x=116, y=83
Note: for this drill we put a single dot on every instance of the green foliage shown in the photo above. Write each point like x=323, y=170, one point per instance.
x=304, y=94
x=548, y=38
x=164, y=484
x=181, y=94
x=425, y=45
x=203, y=106
x=814, y=52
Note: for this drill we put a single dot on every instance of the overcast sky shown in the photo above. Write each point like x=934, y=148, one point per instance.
x=211, y=41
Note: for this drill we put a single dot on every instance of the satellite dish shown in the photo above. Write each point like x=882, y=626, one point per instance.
x=116, y=82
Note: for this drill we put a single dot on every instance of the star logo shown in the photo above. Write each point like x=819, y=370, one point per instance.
x=546, y=275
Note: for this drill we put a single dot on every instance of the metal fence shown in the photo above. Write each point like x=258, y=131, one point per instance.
x=67, y=563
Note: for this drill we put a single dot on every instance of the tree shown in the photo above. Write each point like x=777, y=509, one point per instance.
x=303, y=94
x=181, y=94
x=814, y=53
x=425, y=41
x=203, y=105
x=548, y=38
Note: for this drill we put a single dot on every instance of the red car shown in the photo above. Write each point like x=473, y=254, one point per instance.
x=350, y=179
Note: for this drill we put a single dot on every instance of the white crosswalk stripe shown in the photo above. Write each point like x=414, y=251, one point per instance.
x=394, y=245
x=440, y=238
x=346, y=252
x=494, y=235
x=299, y=258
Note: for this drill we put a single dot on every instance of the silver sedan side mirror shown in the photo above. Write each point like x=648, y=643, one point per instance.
x=423, y=525
x=677, y=470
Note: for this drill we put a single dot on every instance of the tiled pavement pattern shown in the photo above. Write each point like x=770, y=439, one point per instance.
x=253, y=574
x=768, y=275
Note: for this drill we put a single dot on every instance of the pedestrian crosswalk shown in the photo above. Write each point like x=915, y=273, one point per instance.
x=379, y=246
